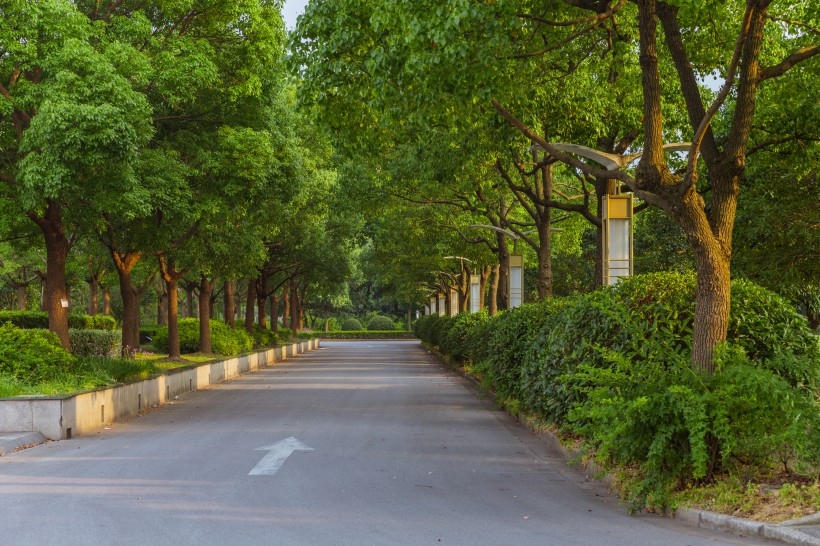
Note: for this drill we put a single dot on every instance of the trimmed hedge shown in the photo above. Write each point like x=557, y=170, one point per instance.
x=39, y=319
x=351, y=324
x=365, y=334
x=613, y=367
x=95, y=342
x=225, y=341
x=32, y=355
x=380, y=323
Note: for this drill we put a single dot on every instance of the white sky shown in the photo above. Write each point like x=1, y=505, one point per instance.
x=292, y=9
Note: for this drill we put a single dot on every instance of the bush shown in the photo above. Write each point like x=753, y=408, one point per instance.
x=284, y=333
x=361, y=334
x=225, y=340
x=458, y=342
x=39, y=319
x=25, y=319
x=32, y=355
x=381, y=323
x=424, y=327
x=95, y=342
x=148, y=332
x=263, y=337
x=351, y=324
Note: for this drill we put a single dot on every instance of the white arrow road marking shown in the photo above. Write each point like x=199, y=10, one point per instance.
x=279, y=452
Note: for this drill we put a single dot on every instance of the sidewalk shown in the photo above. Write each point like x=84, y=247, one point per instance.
x=10, y=441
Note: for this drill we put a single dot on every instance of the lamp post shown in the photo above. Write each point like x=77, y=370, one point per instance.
x=616, y=211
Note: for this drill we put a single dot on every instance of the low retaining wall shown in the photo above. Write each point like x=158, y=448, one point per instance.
x=60, y=418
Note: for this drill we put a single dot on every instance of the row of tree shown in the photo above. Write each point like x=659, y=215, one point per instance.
x=161, y=140
x=458, y=104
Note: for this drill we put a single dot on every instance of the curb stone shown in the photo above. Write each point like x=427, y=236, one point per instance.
x=784, y=532
x=9, y=441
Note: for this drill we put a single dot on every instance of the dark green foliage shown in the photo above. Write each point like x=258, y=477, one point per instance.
x=352, y=324
x=424, y=327
x=39, y=319
x=458, y=342
x=285, y=333
x=31, y=355
x=262, y=337
x=148, y=332
x=381, y=323
x=25, y=319
x=94, y=342
x=614, y=367
x=225, y=340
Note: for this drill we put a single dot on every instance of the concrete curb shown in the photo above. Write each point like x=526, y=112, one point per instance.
x=60, y=418
x=11, y=441
x=785, y=532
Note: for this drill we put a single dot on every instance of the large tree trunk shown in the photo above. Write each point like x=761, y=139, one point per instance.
x=503, y=272
x=250, y=305
x=495, y=281
x=55, y=290
x=229, y=295
x=286, y=303
x=482, y=285
x=130, y=312
x=262, y=300
x=189, y=300
x=93, y=287
x=205, y=287
x=22, y=296
x=162, y=305
x=107, y=301
x=464, y=290
x=171, y=277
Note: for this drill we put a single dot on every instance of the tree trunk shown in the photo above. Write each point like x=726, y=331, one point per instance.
x=496, y=279
x=464, y=290
x=22, y=296
x=262, y=301
x=93, y=288
x=55, y=290
x=107, y=301
x=204, y=316
x=229, y=295
x=173, y=319
x=250, y=305
x=124, y=264
x=162, y=305
x=482, y=285
x=286, y=303
x=503, y=272
x=189, y=300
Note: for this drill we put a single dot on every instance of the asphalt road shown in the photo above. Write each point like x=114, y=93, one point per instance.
x=403, y=452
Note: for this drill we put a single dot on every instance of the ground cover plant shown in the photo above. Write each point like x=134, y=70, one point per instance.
x=613, y=370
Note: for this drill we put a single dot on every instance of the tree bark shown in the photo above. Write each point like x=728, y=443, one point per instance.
x=262, y=300
x=162, y=305
x=22, y=296
x=124, y=264
x=250, y=305
x=274, y=312
x=205, y=287
x=171, y=277
x=55, y=290
x=494, y=282
x=107, y=301
x=229, y=295
x=503, y=272
x=486, y=271
x=286, y=303
x=294, y=308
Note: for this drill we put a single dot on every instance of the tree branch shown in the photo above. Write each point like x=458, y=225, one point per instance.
x=792, y=59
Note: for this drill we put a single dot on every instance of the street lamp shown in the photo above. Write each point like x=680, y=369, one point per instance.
x=617, y=213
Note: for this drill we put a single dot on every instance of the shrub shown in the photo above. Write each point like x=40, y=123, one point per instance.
x=39, y=319
x=263, y=337
x=424, y=327
x=381, y=323
x=25, y=319
x=361, y=334
x=95, y=342
x=31, y=355
x=148, y=332
x=351, y=324
x=284, y=333
x=224, y=340
x=458, y=342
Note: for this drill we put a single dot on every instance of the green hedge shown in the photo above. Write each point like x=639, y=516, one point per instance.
x=380, y=323
x=614, y=367
x=365, y=334
x=39, y=319
x=32, y=355
x=225, y=341
x=105, y=343
x=351, y=324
